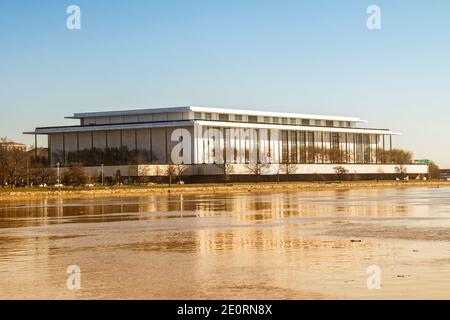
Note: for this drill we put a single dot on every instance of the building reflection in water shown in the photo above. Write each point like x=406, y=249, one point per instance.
x=216, y=239
x=245, y=208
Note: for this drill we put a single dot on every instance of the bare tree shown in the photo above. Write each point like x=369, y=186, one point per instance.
x=256, y=168
x=396, y=156
x=227, y=169
x=3, y=175
x=401, y=170
x=336, y=155
x=278, y=173
x=13, y=166
x=180, y=170
x=170, y=172
x=43, y=174
x=433, y=170
x=340, y=172
x=288, y=169
x=159, y=172
x=312, y=153
x=75, y=175
x=143, y=171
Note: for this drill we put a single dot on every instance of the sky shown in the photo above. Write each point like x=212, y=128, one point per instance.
x=314, y=57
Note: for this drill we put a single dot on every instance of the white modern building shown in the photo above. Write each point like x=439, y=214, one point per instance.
x=143, y=141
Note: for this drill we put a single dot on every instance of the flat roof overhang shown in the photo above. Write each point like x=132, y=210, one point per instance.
x=105, y=127
x=294, y=127
x=212, y=110
x=185, y=123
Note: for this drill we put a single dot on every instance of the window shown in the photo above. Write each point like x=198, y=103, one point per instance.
x=359, y=148
x=335, y=153
x=89, y=121
x=334, y=140
x=208, y=116
x=266, y=119
x=293, y=121
x=198, y=115
x=276, y=120
x=238, y=117
x=310, y=147
x=223, y=117
x=305, y=122
x=366, y=148
x=252, y=119
x=302, y=145
x=284, y=120
x=318, y=122
x=284, y=147
x=341, y=124
x=329, y=123
x=293, y=155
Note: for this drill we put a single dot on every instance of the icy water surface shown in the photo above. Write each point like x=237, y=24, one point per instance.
x=291, y=245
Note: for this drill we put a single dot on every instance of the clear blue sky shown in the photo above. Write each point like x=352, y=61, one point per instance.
x=295, y=56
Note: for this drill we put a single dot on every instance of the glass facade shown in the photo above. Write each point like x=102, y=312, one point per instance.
x=284, y=147
x=293, y=147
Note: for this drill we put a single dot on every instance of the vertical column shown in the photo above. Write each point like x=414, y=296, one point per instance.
x=223, y=144
x=78, y=147
x=35, y=146
x=322, y=153
x=135, y=141
x=258, y=145
x=49, y=149
x=346, y=148
x=289, y=146
x=121, y=146
x=166, y=149
x=151, y=144
x=242, y=145
x=92, y=148
x=376, y=147
x=201, y=145
x=64, y=147
x=280, y=147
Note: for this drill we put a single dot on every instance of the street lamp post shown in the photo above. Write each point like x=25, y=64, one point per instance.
x=57, y=173
x=103, y=175
x=28, y=173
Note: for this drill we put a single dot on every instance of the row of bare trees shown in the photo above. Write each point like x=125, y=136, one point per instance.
x=18, y=169
x=314, y=154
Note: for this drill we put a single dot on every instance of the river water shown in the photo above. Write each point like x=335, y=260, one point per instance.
x=281, y=245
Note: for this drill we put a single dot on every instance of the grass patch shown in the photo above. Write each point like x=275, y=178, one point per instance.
x=212, y=185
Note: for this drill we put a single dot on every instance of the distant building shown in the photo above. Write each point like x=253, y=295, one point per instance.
x=422, y=161
x=445, y=173
x=10, y=145
x=134, y=139
x=39, y=152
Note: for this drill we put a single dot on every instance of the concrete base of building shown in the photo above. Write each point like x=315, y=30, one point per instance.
x=246, y=173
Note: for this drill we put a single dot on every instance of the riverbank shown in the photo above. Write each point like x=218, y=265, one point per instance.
x=129, y=191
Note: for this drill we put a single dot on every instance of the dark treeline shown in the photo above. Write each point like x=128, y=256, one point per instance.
x=106, y=156
x=19, y=168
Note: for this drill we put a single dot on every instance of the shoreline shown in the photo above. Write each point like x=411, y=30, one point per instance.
x=132, y=191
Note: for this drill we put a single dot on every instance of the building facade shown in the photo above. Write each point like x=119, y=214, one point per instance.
x=204, y=138
x=11, y=145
